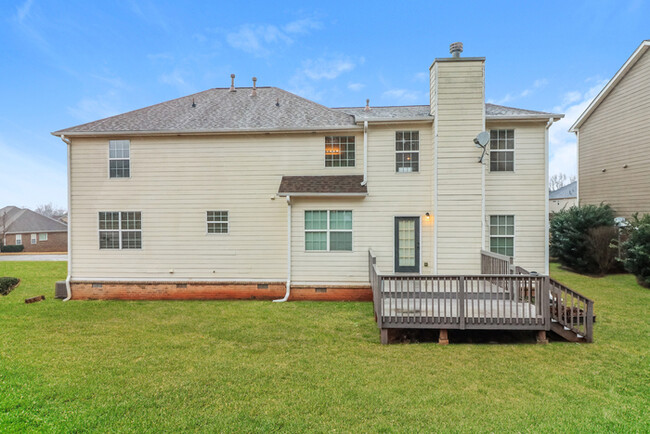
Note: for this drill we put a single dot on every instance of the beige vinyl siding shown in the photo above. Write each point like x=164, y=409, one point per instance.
x=460, y=104
x=617, y=133
x=557, y=205
x=390, y=194
x=521, y=193
x=174, y=181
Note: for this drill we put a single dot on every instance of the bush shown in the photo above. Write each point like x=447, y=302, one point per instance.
x=637, y=249
x=10, y=248
x=7, y=284
x=571, y=241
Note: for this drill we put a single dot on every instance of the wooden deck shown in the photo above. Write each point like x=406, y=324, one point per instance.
x=511, y=300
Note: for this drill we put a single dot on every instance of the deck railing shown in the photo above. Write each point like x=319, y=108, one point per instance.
x=491, y=301
x=571, y=310
x=494, y=263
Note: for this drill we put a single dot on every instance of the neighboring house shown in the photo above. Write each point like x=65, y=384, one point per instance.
x=613, y=137
x=36, y=232
x=563, y=198
x=241, y=192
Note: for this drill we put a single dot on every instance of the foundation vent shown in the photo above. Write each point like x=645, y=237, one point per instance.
x=97, y=285
x=262, y=286
x=181, y=285
x=321, y=290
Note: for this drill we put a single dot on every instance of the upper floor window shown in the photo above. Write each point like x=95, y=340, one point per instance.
x=339, y=151
x=502, y=150
x=119, y=165
x=120, y=230
x=328, y=230
x=502, y=234
x=217, y=222
x=407, y=148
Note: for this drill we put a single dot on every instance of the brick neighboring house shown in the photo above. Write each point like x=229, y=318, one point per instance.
x=36, y=232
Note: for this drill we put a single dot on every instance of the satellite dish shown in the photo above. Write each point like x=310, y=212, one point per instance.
x=481, y=141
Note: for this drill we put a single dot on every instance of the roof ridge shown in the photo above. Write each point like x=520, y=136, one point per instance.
x=305, y=99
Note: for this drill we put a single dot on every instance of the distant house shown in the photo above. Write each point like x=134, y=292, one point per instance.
x=36, y=232
x=563, y=198
x=613, y=137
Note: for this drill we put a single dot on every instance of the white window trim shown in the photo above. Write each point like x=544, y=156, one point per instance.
x=407, y=152
x=513, y=236
x=227, y=221
x=44, y=238
x=338, y=167
x=19, y=237
x=513, y=150
x=120, y=230
x=116, y=159
x=34, y=239
x=327, y=232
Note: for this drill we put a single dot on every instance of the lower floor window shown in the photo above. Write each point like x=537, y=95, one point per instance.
x=328, y=230
x=19, y=239
x=42, y=237
x=502, y=234
x=33, y=240
x=120, y=230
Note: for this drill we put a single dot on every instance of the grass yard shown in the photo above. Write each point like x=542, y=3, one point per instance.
x=261, y=366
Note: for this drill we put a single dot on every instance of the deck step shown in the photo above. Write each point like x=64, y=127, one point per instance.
x=567, y=333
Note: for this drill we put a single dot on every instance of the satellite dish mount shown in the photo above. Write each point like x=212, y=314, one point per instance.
x=481, y=141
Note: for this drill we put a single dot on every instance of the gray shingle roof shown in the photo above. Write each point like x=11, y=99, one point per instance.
x=222, y=110
x=20, y=220
x=335, y=185
x=568, y=191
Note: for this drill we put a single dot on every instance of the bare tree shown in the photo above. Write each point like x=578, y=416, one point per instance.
x=3, y=227
x=50, y=210
x=556, y=181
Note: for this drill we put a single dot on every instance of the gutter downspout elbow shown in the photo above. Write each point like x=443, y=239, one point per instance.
x=67, y=279
x=365, y=153
x=288, y=290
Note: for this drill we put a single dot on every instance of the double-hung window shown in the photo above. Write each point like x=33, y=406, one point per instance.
x=502, y=234
x=120, y=230
x=339, y=151
x=407, y=151
x=328, y=230
x=33, y=239
x=502, y=150
x=217, y=222
x=119, y=154
x=19, y=239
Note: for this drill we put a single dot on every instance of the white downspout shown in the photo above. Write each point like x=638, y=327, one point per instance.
x=365, y=153
x=546, y=206
x=288, y=292
x=67, y=279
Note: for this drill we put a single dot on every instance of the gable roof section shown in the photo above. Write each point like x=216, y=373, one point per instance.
x=220, y=110
x=631, y=61
x=335, y=185
x=566, y=192
x=25, y=220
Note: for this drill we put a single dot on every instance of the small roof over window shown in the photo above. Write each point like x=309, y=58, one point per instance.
x=340, y=185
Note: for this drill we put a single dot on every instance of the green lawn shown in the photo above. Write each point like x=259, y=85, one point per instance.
x=261, y=366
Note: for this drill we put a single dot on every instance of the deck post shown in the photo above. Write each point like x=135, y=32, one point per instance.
x=443, y=338
x=546, y=302
x=384, y=336
x=461, y=303
x=541, y=337
x=589, y=322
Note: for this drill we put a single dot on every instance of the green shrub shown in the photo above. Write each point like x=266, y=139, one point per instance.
x=10, y=248
x=573, y=234
x=7, y=284
x=637, y=249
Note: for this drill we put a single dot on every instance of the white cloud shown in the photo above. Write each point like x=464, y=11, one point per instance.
x=93, y=108
x=46, y=181
x=23, y=11
x=563, y=152
x=324, y=68
x=302, y=26
x=403, y=95
x=257, y=39
x=355, y=87
x=537, y=84
x=177, y=79
x=421, y=76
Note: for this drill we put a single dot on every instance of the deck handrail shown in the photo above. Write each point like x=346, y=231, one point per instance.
x=495, y=263
x=572, y=310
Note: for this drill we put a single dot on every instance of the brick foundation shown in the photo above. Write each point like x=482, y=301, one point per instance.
x=215, y=291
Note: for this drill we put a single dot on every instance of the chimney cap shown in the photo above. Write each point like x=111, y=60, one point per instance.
x=455, y=49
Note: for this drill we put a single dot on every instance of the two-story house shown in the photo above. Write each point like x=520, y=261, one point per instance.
x=249, y=192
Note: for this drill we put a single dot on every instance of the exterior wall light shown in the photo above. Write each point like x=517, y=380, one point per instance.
x=427, y=216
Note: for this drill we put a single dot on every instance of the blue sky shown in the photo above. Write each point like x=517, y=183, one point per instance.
x=66, y=63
